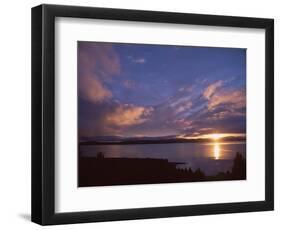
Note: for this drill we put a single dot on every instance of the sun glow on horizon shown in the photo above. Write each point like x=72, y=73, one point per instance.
x=213, y=136
x=216, y=136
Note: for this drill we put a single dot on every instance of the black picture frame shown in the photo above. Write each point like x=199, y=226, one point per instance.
x=43, y=114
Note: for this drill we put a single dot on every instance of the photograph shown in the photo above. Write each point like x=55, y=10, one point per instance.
x=153, y=113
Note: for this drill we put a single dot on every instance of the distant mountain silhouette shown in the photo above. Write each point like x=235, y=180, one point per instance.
x=102, y=140
x=122, y=138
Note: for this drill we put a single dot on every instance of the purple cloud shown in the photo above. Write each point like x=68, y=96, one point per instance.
x=97, y=64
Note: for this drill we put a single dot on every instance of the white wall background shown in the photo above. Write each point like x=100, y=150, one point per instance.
x=15, y=114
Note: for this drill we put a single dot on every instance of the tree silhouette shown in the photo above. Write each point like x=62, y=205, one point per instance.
x=239, y=167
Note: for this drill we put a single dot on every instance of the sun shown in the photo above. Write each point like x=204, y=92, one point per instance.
x=215, y=136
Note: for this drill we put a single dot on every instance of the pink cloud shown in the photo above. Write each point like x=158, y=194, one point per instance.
x=184, y=107
x=97, y=64
x=211, y=89
x=183, y=123
x=128, y=115
x=235, y=98
x=93, y=90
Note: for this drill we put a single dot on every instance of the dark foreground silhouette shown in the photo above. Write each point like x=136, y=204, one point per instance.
x=102, y=171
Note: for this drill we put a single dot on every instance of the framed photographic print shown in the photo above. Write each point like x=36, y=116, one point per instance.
x=142, y=114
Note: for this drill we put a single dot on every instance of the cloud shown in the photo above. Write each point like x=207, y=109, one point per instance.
x=128, y=115
x=185, y=113
x=93, y=90
x=110, y=117
x=137, y=60
x=211, y=89
x=184, y=123
x=217, y=95
x=215, y=107
x=187, y=88
x=97, y=64
x=129, y=84
x=184, y=107
x=235, y=99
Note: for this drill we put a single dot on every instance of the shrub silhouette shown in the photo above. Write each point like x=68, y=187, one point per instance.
x=100, y=155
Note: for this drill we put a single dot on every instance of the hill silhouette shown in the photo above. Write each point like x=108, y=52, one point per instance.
x=102, y=171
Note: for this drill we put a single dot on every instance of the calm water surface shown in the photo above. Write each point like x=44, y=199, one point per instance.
x=211, y=158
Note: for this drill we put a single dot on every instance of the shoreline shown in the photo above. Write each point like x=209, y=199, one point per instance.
x=101, y=171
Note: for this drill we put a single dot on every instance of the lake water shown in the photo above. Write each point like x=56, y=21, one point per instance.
x=211, y=158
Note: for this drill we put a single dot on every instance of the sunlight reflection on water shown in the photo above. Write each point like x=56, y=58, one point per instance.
x=216, y=151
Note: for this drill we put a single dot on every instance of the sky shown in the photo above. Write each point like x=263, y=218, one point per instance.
x=136, y=90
